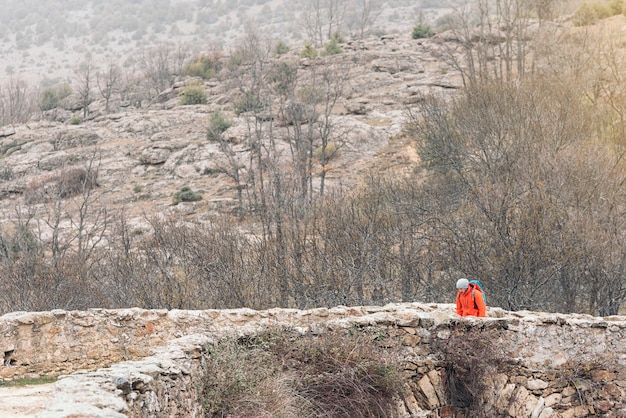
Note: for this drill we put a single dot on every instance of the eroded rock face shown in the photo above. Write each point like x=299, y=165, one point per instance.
x=156, y=358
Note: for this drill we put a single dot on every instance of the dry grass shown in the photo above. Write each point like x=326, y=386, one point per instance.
x=329, y=375
x=377, y=121
x=28, y=381
x=61, y=185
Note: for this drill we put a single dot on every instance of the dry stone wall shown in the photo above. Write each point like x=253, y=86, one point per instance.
x=151, y=363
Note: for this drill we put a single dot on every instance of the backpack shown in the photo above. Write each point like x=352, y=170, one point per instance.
x=480, y=286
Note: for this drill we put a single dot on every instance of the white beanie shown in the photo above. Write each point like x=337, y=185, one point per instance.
x=462, y=284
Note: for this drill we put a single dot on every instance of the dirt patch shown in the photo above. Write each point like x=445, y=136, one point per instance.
x=24, y=401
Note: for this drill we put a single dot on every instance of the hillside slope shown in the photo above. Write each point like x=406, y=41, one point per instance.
x=45, y=42
x=145, y=155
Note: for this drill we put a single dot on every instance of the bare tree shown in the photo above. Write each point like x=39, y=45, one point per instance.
x=494, y=39
x=181, y=55
x=84, y=77
x=16, y=104
x=133, y=90
x=307, y=99
x=322, y=18
x=332, y=83
x=73, y=222
x=608, y=88
x=361, y=16
x=233, y=167
x=509, y=209
x=48, y=260
x=124, y=272
x=158, y=65
x=108, y=83
x=249, y=64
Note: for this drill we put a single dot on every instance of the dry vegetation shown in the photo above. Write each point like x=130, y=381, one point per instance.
x=474, y=360
x=360, y=372
x=327, y=375
x=520, y=183
x=471, y=359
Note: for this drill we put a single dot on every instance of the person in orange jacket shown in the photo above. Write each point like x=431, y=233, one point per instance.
x=469, y=299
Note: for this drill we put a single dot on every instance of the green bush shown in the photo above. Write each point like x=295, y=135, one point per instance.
x=281, y=48
x=6, y=173
x=193, y=94
x=421, y=31
x=236, y=59
x=585, y=15
x=49, y=99
x=309, y=94
x=309, y=51
x=204, y=66
x=218, y=123
x=617, y=7
x=248, y=103
x=602, y=10
x=51, y=96
x=212, y=171
x=378, y=32
x=75, y=120
x=28, y=381
x=337, y=37
x=332, y=48
x=185, y=194
x=329, y=152
x=283, y=76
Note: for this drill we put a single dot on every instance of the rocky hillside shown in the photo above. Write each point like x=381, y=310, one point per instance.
x=143, y=156
x=45, y=42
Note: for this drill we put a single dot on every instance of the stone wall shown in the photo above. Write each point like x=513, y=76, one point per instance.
x=145, y=363
x=166, y=384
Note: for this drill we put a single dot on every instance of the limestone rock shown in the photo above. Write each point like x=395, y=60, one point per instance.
x=536, y=384
x=154, y=155
x=72, y=103
x=523, y=403
x=428, y=390
x=7, y=130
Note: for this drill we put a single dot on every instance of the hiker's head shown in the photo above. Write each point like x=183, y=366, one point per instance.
x=462, y=284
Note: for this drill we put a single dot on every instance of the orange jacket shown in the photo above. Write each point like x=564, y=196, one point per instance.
x=470, y=302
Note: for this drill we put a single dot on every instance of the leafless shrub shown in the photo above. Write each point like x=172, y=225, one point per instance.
x=330, y=375
x=233, y=388
x=6, y=173
x=346, y=376
x=505, y=184
x=471, y=357
x=34, y=282
x=590, y=376
x=17, y=102
x=74, y=181
x=61, y=185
